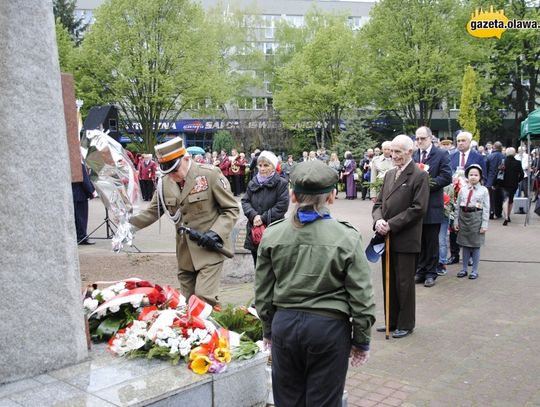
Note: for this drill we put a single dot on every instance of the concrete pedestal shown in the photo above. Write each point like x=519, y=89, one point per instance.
x=40, y=307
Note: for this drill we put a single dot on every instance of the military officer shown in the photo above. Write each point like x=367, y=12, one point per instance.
x=197, y=196
x=313, y=293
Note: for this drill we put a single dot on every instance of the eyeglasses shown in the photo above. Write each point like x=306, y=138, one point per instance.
x=422, y=138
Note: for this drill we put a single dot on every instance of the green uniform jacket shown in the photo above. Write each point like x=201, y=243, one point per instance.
x=320, y=267
x=206, y=203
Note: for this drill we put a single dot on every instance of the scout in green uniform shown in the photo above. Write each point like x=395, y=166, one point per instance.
x=197, y=196
x=314, y=295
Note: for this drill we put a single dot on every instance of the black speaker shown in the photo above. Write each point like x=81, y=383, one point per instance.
x=103, y=118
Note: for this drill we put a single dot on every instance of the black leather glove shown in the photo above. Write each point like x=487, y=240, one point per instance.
x=209, y=239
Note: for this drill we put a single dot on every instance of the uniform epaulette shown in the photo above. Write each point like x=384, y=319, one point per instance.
x=276, y=222
x=344, y=222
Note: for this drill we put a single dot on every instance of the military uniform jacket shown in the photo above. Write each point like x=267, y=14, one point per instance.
x=206, y=203
x=320, y=267
x=403, y=203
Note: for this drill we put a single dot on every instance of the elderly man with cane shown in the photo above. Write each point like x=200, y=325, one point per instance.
x=397, y=215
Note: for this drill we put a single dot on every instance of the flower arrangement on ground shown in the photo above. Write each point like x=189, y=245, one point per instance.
x=116, y=306
x=142, y=319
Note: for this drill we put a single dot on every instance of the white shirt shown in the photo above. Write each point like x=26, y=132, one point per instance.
x=427, y=150
x=466, y=157
x=479, y=200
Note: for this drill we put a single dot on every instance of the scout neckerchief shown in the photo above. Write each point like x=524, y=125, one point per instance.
x=311, y=216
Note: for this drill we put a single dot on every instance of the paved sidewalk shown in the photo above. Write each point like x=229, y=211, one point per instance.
x=475, y=342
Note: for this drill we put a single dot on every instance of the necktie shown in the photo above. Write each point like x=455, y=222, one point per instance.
x=462, y=160
x=398, y=173
x=469, y=197
x=424, y=154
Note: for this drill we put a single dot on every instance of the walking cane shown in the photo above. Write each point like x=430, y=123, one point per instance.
x=387, y=285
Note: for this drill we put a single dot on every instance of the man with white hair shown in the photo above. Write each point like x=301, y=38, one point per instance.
x=398, y=214
x=465, y=155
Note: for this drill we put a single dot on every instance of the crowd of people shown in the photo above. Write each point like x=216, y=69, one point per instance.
x=432, y=202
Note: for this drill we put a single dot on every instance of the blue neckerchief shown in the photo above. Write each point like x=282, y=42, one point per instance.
x=311, y=216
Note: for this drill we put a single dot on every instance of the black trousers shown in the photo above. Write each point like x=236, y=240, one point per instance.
x=81, y=218
x=310, y=356
x=429, y=254
x=237, y=185
x=402, y=289
x=496, y=198
x=147, y=189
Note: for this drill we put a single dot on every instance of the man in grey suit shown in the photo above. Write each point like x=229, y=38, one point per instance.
x=398, y=212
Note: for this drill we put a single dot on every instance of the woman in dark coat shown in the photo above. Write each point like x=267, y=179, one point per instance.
x=513, y=174
x=266, y=199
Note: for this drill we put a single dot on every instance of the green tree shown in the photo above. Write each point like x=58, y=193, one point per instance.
x=65, y=47
x=470, y=99
x=65, y=11
x=515, y=58
x=411, y=55
x=223, y=140
x=355, y=139
x=154, y=60
x=316, y=83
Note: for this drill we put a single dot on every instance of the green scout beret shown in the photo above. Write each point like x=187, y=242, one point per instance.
x=313, y=177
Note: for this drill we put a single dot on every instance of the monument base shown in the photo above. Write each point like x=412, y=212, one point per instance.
x=106, y=380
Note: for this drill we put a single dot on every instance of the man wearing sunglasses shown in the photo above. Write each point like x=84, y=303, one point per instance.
x=199, y=197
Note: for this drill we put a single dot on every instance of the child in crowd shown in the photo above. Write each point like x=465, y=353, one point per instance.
x=471, y=220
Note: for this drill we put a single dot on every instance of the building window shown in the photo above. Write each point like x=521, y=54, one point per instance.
x=357, y=22
x=295, y=21
x=269, y=49
x=245, y=103
x=269, y=104
x=269, y=23
x=260, y=103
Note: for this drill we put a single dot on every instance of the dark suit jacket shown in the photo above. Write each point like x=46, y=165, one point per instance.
x=441, y=175
x=474, y=158
x=493, y=161
x=83, y=191
x=403, y=204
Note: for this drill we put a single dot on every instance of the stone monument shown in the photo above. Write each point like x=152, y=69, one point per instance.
x=41, y=314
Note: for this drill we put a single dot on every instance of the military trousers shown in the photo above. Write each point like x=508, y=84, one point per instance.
x=310, y=356
x=204, y=283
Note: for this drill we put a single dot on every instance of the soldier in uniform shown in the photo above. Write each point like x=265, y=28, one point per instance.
x=313, y=293
x=197, y=196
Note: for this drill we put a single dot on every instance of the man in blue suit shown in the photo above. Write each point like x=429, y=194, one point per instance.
x=464, y=155
x=437, y=162
x=493, y=161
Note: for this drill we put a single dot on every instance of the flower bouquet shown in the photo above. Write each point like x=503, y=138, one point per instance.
x=184, y=332
x=115, y=307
